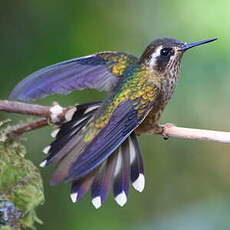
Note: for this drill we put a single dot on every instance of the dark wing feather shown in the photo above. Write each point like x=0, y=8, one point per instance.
x=83, y=157
x=99, y=71
x=123, y=121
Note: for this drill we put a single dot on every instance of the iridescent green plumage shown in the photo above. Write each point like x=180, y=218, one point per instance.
x=135, y=88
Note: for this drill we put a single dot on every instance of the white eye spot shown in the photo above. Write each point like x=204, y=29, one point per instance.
x=154, y=56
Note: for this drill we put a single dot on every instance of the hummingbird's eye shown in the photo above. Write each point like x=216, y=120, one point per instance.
x=167, y=52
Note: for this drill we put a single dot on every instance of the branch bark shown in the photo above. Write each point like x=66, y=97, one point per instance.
x=56, y=114
x=29, y=126
x=24, y=108
x=194, y=134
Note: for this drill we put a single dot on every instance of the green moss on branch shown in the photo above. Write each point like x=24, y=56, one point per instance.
x=20, y=184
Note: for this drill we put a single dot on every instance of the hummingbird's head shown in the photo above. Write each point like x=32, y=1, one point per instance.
x=165, y=54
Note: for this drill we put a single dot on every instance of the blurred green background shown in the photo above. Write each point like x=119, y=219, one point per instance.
x=187, y=182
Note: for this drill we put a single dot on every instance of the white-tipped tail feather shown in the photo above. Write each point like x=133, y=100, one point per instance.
x=54, y=133
x=96, y=201
x=43, y=164
x=139, y=183
x=73, y=197
x=46, y=149
x=121, y=199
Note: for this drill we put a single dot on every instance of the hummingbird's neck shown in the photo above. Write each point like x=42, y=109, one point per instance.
x=172, y=72
x=168, y=83
x=166, y=74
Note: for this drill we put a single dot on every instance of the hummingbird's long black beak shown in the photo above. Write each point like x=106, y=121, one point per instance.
x=190, y=45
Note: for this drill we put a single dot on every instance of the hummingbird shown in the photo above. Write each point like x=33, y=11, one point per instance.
x=97, y=148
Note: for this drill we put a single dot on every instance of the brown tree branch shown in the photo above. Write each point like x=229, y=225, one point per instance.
x=24, y=108
x=56, y=114
x=29, y=126
x=194, y=134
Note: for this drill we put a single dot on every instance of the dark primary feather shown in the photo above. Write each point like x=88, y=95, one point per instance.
x=100, y=179
x=117, y=170
x=81, y=158
x=94, y=71
x=123, y=121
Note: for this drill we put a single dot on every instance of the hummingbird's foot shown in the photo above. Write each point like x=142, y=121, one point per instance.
x=165, y=136
x=161, y=129
x=163, y=133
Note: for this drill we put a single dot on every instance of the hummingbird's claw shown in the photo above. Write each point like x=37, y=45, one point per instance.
x=163, y=133
x=161, y=129
x=165, y=137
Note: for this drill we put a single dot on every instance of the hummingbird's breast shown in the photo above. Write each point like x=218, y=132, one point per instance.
x=168, y=84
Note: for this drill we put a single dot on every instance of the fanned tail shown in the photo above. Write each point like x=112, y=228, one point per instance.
x=123, y=167
x=80, y=188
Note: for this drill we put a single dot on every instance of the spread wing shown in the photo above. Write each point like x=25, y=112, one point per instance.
x=123, y=166
x=121, y=124
x=99, y=71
